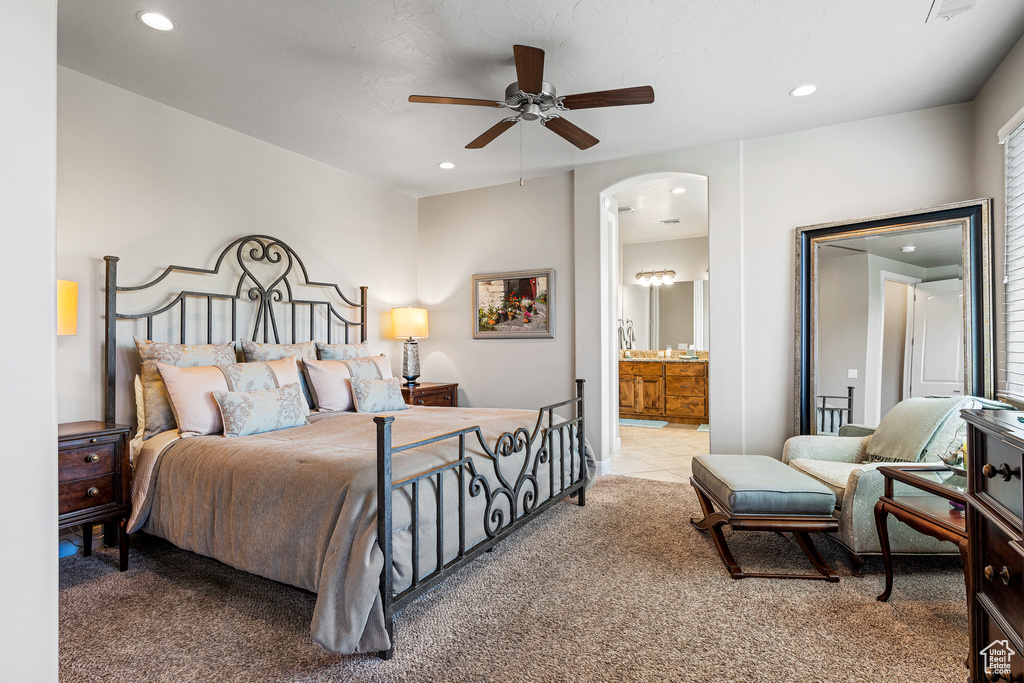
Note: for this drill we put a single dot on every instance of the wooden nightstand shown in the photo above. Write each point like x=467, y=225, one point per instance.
x=94, y=480
x=432, y=394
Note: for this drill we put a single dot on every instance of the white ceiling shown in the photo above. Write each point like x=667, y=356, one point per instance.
x=934, y=247
x=330, y=79
x=652, y=201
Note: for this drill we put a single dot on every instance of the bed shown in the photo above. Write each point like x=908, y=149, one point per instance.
x=368, y=511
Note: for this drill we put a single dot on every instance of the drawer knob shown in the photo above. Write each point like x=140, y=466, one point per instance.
x=93, y=492
x=419, y=402
x=447, y=398
x=93, y=440
x=93, y=458
x=1003, y=470
x=1004, y=574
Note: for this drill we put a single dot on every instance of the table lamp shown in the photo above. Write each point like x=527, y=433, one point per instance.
x=410, y=324
x=67, y=307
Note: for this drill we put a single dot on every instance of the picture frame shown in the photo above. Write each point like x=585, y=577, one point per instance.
x=514, y=305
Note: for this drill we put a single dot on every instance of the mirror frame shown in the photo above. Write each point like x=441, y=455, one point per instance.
x=975, y=218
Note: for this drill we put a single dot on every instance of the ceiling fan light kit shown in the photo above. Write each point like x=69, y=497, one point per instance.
x=534, y=99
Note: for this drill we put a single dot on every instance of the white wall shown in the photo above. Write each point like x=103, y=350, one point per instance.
x=28, y=577
x=843, y=314
x=155, y=186
x=689, y=258
x=497, y=229
x=996, y=103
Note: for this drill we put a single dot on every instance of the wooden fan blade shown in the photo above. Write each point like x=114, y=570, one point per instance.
x=491, y=133
x=427, y=99
x=571, y=132
x=529, y=68
x=643, y=94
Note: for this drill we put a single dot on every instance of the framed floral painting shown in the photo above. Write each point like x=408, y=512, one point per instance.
x=513, y=305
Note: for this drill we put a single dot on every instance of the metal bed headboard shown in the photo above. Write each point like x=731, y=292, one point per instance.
x=269, y=302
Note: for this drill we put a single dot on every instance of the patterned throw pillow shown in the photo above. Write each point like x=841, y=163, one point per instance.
x=191, y=389
x=255, y=351
x=378, y=395
x=341, y=351
x=255, y=412
x=330, y=379
x=157, y=404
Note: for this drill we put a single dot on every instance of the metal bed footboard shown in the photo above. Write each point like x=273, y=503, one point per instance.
x=541, y=448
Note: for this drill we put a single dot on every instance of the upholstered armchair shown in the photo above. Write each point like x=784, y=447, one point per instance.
x=916, y=430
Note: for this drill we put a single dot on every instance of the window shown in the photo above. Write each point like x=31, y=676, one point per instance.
x=1013, y=361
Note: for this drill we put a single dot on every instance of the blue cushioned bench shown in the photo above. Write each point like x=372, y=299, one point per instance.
x=759, y=493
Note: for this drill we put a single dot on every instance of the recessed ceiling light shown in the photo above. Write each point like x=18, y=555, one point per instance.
x=446, y=165
x=803, y=90
x=908, y=249
x=155, y=20
x=678, y=190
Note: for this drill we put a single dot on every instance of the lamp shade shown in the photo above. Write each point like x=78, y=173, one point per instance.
x=67, y=307
x=409, y=322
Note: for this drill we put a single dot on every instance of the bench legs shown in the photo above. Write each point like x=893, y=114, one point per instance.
x=714, y=521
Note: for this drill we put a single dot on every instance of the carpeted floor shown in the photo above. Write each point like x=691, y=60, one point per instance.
x=621, y=590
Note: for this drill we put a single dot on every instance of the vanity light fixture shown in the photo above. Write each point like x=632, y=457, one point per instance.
x=155, y=20
x=446, y=165
x=909, y=249
x=678, y=190
x=803, y=90
x=655, y=277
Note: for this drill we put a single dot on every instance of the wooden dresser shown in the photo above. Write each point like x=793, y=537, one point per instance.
x=94, y=481
x=995, y=527
x=674, y=391
x=432, y=394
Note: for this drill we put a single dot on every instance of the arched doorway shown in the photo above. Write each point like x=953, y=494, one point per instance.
x=654, y=229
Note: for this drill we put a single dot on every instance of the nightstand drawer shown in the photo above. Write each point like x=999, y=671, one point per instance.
x=86, y=493
x=433, y=398
x=90, y=460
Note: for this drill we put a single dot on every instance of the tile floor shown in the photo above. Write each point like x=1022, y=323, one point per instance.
x=663, y=454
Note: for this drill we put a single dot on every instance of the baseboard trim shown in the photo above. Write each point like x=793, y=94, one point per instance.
x=603, y=467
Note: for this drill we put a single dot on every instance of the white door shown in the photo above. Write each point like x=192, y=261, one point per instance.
x=937, y=351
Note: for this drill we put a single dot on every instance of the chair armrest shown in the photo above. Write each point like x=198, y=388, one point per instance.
x=856, y=430
x=813, y=447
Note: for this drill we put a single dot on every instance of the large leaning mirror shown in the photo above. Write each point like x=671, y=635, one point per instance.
x=890, y=307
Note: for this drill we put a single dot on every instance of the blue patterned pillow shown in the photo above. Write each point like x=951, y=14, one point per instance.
x=267, y=410
x=377, y=395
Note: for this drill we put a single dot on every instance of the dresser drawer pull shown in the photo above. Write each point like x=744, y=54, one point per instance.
x=93, y=458
x=419, y=402
x=1003, y=470
x=1004, y=574
x=93, y=492
x=93, y=440
x=447, y=398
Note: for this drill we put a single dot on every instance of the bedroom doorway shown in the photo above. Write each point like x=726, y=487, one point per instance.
x=661, y=308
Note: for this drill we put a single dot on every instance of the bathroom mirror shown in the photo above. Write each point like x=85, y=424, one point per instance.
x=665, y=316
x=890, y=307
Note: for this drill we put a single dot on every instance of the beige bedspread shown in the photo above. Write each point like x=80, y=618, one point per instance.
x=299, y=506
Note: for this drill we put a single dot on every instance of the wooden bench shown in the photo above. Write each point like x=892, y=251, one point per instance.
x=759, y=493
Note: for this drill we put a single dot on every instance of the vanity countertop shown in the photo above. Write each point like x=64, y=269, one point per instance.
x=662, y=360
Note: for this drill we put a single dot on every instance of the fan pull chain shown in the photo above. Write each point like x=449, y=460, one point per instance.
x=521, y=156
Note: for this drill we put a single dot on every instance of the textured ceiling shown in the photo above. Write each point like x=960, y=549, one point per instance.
x=934, y=247
x=652, y=201
x=329, y=79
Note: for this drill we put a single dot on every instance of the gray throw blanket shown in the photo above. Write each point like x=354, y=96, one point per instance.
x=906, y=431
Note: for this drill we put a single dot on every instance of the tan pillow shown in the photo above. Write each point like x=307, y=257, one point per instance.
x=331, y=379
x=341, y=351
x=191, y=389
x=256, y=351
x=159, y=413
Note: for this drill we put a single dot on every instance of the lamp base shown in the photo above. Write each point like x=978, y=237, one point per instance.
x=411, y=362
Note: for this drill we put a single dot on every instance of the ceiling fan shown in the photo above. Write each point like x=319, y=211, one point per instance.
x=534, y=99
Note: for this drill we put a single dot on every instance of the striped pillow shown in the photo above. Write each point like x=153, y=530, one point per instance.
x=191, y=389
